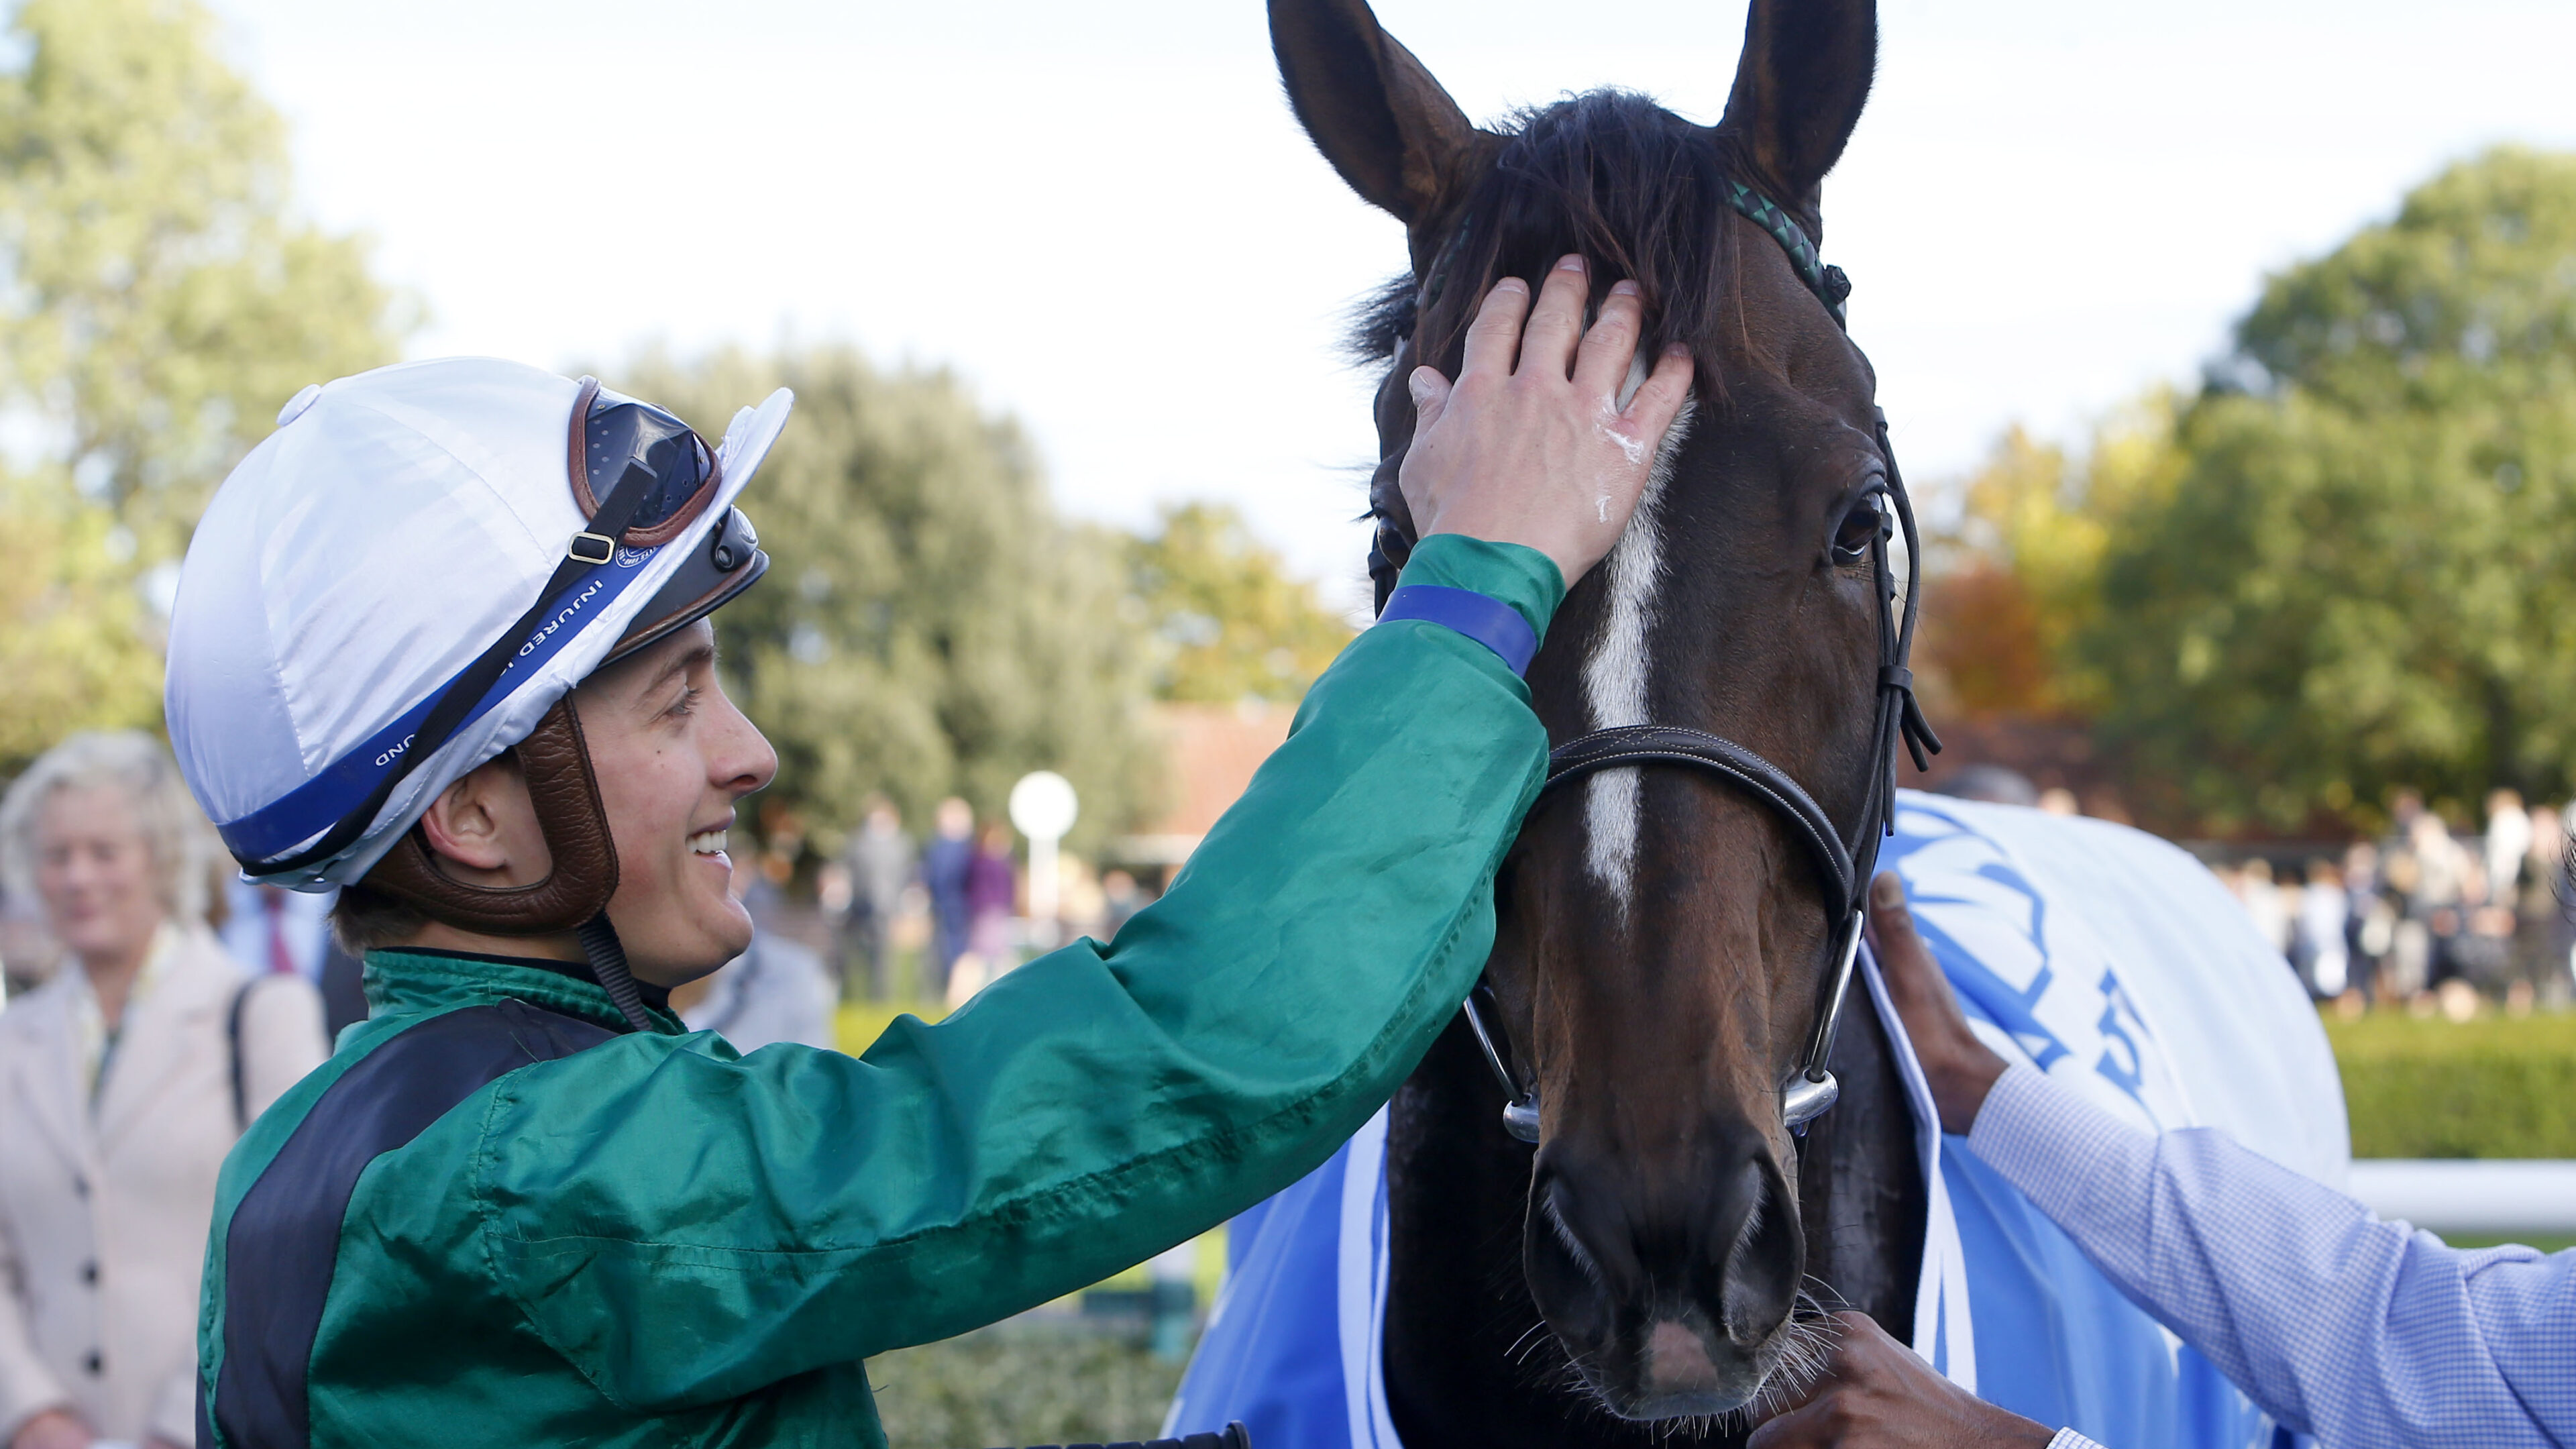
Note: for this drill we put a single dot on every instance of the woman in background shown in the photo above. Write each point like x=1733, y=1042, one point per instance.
x=123, y=1082
x=992, y=891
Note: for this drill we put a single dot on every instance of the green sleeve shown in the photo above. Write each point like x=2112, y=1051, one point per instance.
x=684, y=1225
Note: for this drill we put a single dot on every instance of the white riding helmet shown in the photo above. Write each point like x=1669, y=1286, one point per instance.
x=405, y=580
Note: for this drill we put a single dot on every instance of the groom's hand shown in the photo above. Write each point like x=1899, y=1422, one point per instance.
x=1958, y=1068
x=1876, y=1394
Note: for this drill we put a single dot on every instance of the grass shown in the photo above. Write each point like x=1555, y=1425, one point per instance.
x=2543, y=1243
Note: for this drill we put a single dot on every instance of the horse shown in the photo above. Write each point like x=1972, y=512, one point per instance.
x=1639, y=1246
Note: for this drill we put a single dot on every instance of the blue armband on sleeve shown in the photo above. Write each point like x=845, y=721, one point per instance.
x=1487, y=620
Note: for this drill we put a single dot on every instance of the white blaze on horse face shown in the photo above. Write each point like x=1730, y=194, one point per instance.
x=1614, y=674
x=1637, y=375
x=1630, y=446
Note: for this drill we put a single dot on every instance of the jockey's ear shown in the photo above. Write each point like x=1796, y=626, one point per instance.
x=1374, y=110
x=1799, y=89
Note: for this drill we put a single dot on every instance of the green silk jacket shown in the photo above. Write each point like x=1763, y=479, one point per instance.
x=496, y=1217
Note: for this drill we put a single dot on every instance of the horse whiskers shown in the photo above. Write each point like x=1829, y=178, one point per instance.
x=1568, y=1376
x=1805, y=1345
x=1801, y=1350
x=1815, y=1302
x=1527, y=1344
x=1697, y=1426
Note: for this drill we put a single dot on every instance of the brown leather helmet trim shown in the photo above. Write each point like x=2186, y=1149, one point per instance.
x=662, y=532
x=566, y=794
x=577, y=448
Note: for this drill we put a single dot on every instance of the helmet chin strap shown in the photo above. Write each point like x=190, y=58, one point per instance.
x=607, y=958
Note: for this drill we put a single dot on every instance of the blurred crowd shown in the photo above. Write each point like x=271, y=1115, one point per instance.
x=2426, y=917
x=937, y=919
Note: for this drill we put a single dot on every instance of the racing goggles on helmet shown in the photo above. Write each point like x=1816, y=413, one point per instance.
x=617, y=437
x=641, y=477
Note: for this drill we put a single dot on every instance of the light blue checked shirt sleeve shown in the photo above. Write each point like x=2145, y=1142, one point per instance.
x=2337, y=1324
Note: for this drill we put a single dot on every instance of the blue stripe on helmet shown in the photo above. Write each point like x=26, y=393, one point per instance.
x=345, y=783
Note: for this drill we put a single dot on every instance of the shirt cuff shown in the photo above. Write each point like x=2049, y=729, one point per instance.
x=1507, y=573
x=2069, y=1439
x=2051, y=1143
x=1487, y=620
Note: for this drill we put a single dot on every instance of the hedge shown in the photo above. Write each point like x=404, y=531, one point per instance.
x=2428, y=1087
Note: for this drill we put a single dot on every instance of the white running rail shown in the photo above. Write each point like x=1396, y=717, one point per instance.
x=2471, y=1196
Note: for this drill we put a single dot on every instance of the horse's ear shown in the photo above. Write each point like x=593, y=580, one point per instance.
x=1372, y=109
x=1799, y=88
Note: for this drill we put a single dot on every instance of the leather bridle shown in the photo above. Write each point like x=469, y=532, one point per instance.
x=1843, y=863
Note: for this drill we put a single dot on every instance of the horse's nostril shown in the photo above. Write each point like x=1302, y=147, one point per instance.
x=1763, y=1266
x=1564, y=1276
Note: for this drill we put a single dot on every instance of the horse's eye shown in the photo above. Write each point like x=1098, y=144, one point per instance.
x=1866, y=524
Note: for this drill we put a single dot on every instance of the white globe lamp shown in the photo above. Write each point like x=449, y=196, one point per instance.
x=1043, y=808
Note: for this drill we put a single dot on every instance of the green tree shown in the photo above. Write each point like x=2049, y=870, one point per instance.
x=2361, y=573
x=78, y=644
x=929, y=625
x=1227, y=621
x=161, y=302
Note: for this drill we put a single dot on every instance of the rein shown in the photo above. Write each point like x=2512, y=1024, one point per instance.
x=1843, y=864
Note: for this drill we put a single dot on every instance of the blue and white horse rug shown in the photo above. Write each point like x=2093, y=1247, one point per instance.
x=2101, y=955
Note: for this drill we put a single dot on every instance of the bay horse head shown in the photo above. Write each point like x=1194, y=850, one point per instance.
x=1668, y=939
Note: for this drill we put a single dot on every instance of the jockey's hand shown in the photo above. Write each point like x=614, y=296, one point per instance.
x=1958, y=1068
x=1877, y=1395
x=1530, y=445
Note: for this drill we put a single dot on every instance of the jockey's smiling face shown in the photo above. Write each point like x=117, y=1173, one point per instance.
x=673, y=756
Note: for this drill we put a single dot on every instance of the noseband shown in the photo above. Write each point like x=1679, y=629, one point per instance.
x=1843, y=864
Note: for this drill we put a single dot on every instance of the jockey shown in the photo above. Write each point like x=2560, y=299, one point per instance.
x=521, y=1203
x=2336, y=1324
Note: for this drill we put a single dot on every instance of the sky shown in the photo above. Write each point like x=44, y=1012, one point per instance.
x=1104, y=218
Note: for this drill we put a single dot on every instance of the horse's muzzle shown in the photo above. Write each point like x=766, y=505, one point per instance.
x=1670, y=1298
